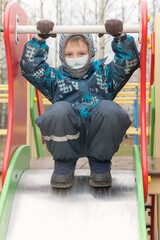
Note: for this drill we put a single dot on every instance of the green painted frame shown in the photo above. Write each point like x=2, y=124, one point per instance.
x=34, y=115
x=140, y=193
x=19, y=163
x=152, y=121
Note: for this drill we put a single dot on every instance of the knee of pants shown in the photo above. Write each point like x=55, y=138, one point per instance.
x=109, y=108
x=60, y=110
x=112, y=111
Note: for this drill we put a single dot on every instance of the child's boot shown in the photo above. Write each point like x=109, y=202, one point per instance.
x=63, y=175
x=100, y=173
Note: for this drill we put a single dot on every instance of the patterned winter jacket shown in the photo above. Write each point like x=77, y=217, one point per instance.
x=102, y=82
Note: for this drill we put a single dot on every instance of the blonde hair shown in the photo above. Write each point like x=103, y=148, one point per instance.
x=77, y=38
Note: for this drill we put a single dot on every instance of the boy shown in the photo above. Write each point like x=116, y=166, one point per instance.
x=83, y=120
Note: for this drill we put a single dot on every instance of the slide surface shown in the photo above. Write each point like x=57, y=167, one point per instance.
x=81, y=212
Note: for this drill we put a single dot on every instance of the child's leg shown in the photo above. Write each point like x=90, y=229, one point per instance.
x=107, y=127
x=60, y=127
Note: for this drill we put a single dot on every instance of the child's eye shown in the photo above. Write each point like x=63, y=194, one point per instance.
x=68, y=54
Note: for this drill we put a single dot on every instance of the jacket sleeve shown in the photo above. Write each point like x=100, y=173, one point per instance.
x=36, y=70
x=125, y=62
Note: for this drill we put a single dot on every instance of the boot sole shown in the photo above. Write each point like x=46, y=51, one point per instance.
x=61, y=185
x=62, y=181
x=100, y=184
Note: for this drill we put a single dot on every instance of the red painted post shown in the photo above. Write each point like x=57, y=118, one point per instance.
x=40, y=105
x=17, y=86
x=39, y=102
x=151, y=80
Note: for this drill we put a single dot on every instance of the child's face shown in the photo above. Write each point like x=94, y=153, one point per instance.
x=76, y=49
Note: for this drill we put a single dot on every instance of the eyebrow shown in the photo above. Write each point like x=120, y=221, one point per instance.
x=81, y=51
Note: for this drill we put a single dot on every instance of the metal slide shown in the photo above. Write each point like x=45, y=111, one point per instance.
x=81, y=212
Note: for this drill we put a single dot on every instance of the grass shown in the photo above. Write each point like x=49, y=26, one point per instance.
x=2, y=143
x=2, y=147
x=126, y=148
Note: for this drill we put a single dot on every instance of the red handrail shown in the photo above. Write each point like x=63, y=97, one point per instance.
x=151, y=73
x=152, y=58
x=143, y=57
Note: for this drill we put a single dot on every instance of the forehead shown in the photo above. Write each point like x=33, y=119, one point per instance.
x=76, y=44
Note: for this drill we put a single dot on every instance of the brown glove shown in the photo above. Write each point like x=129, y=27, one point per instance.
x=45, y=26
x=113, y=27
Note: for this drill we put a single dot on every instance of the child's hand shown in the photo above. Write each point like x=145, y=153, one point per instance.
x=113, y=27
x=45, y=26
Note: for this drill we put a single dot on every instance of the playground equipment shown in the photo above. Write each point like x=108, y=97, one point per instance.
x=27, y=198
x=3, y=99
x=154, y=117
x=76, y=29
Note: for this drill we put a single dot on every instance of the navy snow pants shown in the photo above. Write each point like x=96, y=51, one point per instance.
x=69, y=136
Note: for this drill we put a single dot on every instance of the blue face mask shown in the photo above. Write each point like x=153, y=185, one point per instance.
x=77, y=63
